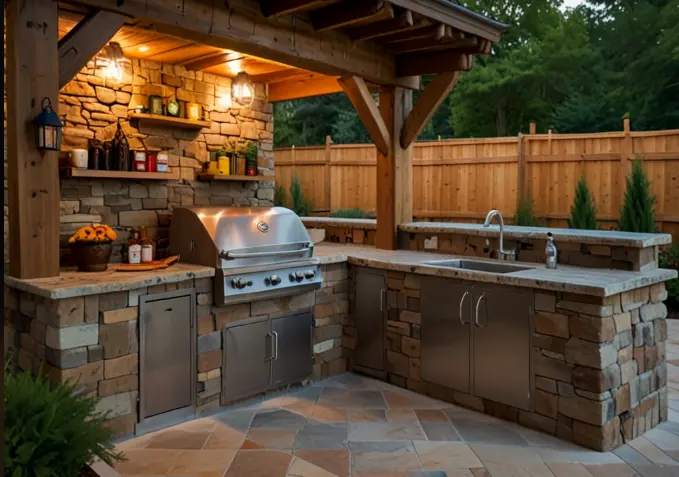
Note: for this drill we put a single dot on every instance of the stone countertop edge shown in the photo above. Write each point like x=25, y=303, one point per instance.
x=70, y=284
x=590, y=237
x=539, y=280
x=366, y=224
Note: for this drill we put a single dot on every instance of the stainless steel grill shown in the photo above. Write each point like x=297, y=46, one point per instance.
x=258, y=252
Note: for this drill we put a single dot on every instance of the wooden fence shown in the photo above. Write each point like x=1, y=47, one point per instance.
x=462, y=179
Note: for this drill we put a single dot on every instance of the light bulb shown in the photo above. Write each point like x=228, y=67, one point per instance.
x=113, y=71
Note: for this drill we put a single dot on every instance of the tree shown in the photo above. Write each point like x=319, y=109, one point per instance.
x=636, y=213
x=583, y=211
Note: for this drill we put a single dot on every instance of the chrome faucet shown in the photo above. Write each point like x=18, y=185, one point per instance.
x=501, y=250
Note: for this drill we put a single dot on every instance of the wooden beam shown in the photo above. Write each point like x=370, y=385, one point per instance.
x=303, y=87
x=421, y=28
x=429, y=44
x=288, y=40
x=359, y=95
x=432, y=63
x=32, y=74
x=80, y=44
x=427, y=104
x=401, y=22
x=281, y=75
x=274, y=8
x=212, y=60
x=394, y=171
x=350, y=13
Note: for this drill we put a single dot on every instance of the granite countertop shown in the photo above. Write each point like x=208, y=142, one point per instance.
x=592, y=237
x=588, y=281
x=71, y=283
x=366, y=224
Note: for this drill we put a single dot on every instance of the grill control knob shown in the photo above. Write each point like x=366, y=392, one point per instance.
x=292, y=277
x=299, y=276
x=275, y=279
x=241, y=283
x=249, y=283
x=309, y=274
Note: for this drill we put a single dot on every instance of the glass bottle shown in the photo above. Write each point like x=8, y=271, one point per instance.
x=134, y=247
x=550, y=252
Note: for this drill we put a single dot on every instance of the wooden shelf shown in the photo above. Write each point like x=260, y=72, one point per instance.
x=204, y=176
x=95, y=174
x=171, y=121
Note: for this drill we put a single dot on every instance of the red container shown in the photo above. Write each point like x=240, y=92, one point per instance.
x=151, y=161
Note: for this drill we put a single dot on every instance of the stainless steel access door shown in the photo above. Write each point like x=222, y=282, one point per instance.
x=501, y=345
x=445, y=307
x=167, y=353
x=247, y=352
x=369, y=308
x=291, y=336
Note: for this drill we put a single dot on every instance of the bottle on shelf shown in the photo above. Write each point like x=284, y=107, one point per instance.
x=550, y=252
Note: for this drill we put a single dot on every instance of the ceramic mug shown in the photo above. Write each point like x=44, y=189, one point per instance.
x=79, y=158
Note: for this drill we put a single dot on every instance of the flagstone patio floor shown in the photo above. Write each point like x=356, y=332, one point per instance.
x=351, y=425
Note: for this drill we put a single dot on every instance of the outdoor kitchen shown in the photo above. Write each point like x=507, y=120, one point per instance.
x=171, y=288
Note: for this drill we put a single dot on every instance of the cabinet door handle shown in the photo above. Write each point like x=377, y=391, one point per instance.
x=461, y=303
x=383, y=294
x=476, y=313
x=275, y=341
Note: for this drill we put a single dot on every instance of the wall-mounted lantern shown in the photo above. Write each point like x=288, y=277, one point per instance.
x=242, y=90
x=48, y=128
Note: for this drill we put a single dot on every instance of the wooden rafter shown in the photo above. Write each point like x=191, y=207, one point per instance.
x=421, y=63
x=303, y=87
x=212, y=60
x=402, y=21
x=359, y=95
x=274, y=8
x=89, y=36
x=351, y=13
x=446, y=43
x=427, y=104
x=280, y=75
x=421, y=29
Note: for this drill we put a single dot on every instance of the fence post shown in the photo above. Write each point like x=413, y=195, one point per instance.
x=328, y=173
x=532, y=128
x=625, y=156
x=521, y=170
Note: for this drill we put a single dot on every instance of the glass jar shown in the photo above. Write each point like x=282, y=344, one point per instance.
x=155, y=104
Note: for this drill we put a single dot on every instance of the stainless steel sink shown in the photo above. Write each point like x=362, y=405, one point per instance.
x=490, y=267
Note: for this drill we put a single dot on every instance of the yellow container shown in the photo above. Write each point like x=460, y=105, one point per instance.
x=213, y=168
x=223, y=166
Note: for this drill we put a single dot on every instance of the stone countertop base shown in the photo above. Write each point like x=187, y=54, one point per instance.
x=587, y=281
x=71, y=283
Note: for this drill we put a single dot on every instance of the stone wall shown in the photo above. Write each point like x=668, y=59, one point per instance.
x=91, y=107
x=94, y=340
x=598, y=363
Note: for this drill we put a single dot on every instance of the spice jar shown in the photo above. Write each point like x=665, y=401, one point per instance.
x=140, y=161
x=194, y=111
x=162, y=161
x=151, y=161
x=155, y=104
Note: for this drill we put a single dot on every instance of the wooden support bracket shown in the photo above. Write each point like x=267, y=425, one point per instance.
x=428, y=103
x=80, y=44
x=359, y=95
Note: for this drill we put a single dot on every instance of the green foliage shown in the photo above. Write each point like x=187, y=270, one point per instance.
x=583, y=210
x=636, y=213
x=349, y=214
x=279, y=197
x=301, y=205
x=670, y=259
x=524, y=214
x=49, y=431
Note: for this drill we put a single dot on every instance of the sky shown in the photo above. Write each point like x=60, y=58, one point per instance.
x=571, y=3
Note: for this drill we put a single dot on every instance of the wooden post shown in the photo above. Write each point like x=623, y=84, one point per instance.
x=328, y=173
x=32, y=74
x=625, y=156
x=394, y=169
x=532, y=128
x=521, y=170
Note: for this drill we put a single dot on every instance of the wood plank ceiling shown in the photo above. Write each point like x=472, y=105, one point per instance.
x=422, y=44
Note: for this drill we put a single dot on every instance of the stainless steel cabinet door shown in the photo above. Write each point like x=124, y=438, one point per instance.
x=501, y=346
x=369, y=316
x=292, y=351
x=166, y=355
x=247, y=352
x=445, y=337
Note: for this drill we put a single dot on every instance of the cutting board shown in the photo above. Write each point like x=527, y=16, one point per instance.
x=148, y=266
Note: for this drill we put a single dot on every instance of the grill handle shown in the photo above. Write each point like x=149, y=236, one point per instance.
x=279, y=253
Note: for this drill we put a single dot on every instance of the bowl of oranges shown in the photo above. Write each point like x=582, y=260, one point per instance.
x=92, y=247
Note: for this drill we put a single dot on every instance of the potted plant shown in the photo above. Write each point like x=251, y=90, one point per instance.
x=250, y=159
x=232, y=154
x=92, y=247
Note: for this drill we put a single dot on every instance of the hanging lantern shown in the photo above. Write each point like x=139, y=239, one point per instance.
x=242, y=90
x=47, y=127
x=110, y=59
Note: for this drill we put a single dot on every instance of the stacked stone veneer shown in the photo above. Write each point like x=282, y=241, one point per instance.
x=90, y=107
x=598, y=363
x=94, y=340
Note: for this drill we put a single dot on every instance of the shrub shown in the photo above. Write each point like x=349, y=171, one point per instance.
x=50, y=431
x=636, y=213
x=583, y=210
x=349, y=214
x=670, y=259
x=524, y=214
x=301, y=205
x=279, y=197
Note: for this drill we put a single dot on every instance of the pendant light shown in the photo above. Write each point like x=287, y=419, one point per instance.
x=242, y=90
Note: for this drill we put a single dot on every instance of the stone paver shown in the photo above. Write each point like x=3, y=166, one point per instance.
x=355, y=426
